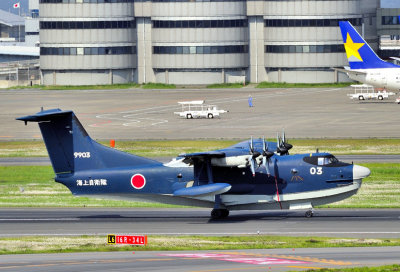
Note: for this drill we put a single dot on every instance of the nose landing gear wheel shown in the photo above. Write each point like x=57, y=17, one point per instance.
x=309, y=214
x=219, y=213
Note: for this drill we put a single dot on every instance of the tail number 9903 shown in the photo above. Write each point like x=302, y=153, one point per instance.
x=316, y=170
x=82, y=155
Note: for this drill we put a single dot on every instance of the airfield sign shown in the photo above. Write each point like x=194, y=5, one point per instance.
x=127, y=239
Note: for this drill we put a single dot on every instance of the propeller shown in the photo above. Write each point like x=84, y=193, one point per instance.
x=266, y=155
x=283, y=147
x=254, y=154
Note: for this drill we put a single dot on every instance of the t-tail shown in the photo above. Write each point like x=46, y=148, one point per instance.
x=359, y=54
x=71, y=149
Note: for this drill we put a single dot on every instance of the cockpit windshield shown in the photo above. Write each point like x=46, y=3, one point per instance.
x=326, y=160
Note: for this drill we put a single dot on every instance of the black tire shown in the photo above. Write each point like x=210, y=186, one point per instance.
x=210, y=116
x=309, y=214
x=361, y=97
x=225, y=213
x=189, y=116
x=380, y=97
x=216, y=213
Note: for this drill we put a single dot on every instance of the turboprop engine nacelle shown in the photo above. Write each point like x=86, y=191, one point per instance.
x=234, y=161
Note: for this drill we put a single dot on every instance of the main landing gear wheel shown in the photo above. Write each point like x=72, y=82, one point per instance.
x=219, y=213
x=309, y=213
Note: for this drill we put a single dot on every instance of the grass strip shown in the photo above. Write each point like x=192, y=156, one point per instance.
x=225, y=85
x=385, y=268
x=64, y=244
x=158, y=86
x=33, y=186
x=165, y=148
x=301, y=85
x=79, y=87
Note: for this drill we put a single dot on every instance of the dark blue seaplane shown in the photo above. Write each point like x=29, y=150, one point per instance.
x=251, y=175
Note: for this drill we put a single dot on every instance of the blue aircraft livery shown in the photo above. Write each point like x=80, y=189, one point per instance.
x=359, y=54
x=254, y=174
x=365, y=65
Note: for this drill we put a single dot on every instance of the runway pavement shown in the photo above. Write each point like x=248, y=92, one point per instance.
x=204, y=261
x=149, y=114
x=361, y=223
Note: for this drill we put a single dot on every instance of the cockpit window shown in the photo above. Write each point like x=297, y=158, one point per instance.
x=328, y=160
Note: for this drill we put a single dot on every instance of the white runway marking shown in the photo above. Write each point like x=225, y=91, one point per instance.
x=138, y=117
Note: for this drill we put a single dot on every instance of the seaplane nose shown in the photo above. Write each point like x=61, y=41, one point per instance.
x=360, y=172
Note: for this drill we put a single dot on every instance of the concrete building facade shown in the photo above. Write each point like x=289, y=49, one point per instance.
x=197, y=42
x=87, y=42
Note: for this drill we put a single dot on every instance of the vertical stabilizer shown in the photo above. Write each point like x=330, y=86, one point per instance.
x=71, y=149
x=359, y=54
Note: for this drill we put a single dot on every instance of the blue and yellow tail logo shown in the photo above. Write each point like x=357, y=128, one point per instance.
x=359, y=54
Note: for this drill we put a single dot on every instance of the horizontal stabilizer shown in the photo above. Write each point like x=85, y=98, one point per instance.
x=204, y=190
x=354, y=72
x=44, y=115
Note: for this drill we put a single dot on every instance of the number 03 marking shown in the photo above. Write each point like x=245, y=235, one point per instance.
x=316, y=170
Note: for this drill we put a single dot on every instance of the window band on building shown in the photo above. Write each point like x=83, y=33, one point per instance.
x=390, y=20
x=71, y=51
x=87, y=24
x=219, y=49
x=198, y=1
x=84, y=1
x=299, y=69
x=200, y=24
x=325, y=48
x=310, y=22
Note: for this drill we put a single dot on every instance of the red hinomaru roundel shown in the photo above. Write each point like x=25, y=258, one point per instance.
x=138, y=181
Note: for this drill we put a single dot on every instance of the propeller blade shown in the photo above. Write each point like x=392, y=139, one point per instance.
x=253, y=167
x=266, y=156
x=278, y=140
x=266, y=165
x=283, y=148
x=265, y=147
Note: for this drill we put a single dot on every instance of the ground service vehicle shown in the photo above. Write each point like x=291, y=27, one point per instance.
x=364, y=91
x=197, y=109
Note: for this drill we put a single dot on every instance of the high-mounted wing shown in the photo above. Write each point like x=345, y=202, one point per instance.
x=201, y=156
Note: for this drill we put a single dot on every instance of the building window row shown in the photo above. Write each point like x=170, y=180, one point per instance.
x=219, y=49
x=71, y=51
x=200, y=24
x=126, y=1
x=198, y=0
x=299, y=69
x=84, y=1
x=388, y=53
x=325, y=48
x=390, y=20
x=309, y=22
x=87, y=24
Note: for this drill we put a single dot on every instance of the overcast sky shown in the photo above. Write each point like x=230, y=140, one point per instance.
x=7, y=5
x=390, y=3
